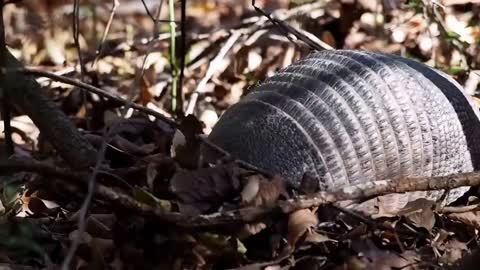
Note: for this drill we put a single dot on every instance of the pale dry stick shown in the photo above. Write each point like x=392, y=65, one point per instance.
x=459, y=209
x=115, y=5
x=94, y=90
x=212, y=68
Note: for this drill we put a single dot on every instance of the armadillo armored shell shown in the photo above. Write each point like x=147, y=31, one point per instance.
x=351, y=116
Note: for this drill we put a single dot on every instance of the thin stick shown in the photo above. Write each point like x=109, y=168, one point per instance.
x=81, y=62
x=212, y=68
x=76, y=34
x=85, y=206
x=173, y=64
x=183, y=42
x=95, y=90
x=302, y=35
x=99, y=51
x=141, y=72
x=254, y=213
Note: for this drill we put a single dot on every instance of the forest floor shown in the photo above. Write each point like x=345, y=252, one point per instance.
x=148, y=204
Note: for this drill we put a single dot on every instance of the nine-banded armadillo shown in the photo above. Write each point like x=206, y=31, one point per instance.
x=350, y=116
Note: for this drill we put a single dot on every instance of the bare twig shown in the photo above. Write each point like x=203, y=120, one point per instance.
x=149, y=13
x=86, y=203
x=459, y=209
x=141, y=72
x=95, y=90
x=212, y=68
x=182, y=49
x=100, y=155
x=248, y=27
x=173, y=57
x=76, y=34
x=99, y=52
x=302, y=35
x=253, y=214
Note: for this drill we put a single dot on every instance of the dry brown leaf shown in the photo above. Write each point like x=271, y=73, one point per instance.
x=315, y=237
x=453, y=251
x=328, y=38
x=97, y=228
x=250, y=190
x=419, y=212
x=146, y=82
x=26, y=125
x=151, y=174
x=252, y=229
x=254, y=60
x=471, y=218
x=424, y=218
x=131, y=148
x=55, y=51
x=300, y=222
x=178, y=140
x=31, y=204
x=209, y=119
x=261, y=191
x=395, y=204
x=476, y=101
x=104, y=247
x=309, y=184
x=186, y=145
x=372, y=258
x=273, y=267
x=205, y=188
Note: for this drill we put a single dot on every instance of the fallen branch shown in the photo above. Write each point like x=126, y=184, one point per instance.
x=252, y=214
